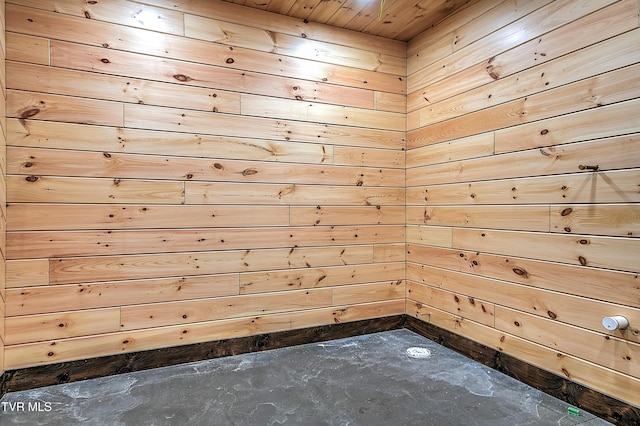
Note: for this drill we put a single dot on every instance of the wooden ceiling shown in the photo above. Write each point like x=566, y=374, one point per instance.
x=400, y=19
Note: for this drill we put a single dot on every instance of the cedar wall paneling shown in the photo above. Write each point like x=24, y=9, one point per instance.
x=509, y=243
x=188, y=171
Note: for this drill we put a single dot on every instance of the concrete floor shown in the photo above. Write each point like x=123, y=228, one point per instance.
x=366, y=380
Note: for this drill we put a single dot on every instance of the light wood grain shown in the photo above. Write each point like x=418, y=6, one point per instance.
x=530, y=218
x=620, y=153
x=600, y=284
x=26, y=273
x=102, y=268
x=63, y=244
x=455, y=303
x=25, y=48
x=62, y=325
x=170, y=119
x=617, y=186
x=54, y=298
x=107, y=165
x=294, y=195
x=582, y=312
x=60, y=217
x=332, y=215
x=29, y=105
x=111, y=139
x=116, y=11
x=430, y=235
x=17, y=356
x=37, y=189
x=592, y=251
x=363, y=293
x=530, y=27
x=261, y=282
x=614, y=220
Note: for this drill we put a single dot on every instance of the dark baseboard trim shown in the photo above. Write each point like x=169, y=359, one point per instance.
x=72, y=371
x=603, y=406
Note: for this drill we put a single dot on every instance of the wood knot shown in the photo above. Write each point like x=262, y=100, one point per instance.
x=28, y=164
x=582, y=260
x=544, y=132
x=230, y=60
x=249, y=172
x=30, y=113
x=31, y=178
x=106, y=155
x=105, y=61
x=521, y=272
x=567, y=211
x=182, y=77
x=218, y=166
x=552, y=314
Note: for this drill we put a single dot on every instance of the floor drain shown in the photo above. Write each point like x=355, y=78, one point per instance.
x=416, y=352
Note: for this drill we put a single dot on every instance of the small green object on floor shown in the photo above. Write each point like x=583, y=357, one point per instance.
x=573, y=411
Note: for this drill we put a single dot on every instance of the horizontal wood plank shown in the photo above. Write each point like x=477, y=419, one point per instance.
x=294, y=195
x=530, y=218
x=41, y=134
x=18, y=356
x=26, y=48
x=39, y=106
x=27, y=273
x=336, y=215
x=261, y=282
x=581, y=312
x=617, y=186
x=600, y=284
x=592, y=251
x=94, y=243
x=61, y=217
x=611, y=353
x=163, y=314
x=104, y=268
x=622, y=220
x=477, y=310
x=61, y=325
x=177, y=120
x=619, y=151
x=54, y=298
x=34, y=161
x=38, y=189
x=365, y=293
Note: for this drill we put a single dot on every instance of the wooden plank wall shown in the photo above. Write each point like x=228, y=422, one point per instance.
x=3, y=173
x=509, y=243
x=188, y=171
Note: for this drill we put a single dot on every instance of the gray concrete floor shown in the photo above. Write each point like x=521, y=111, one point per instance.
x=365, y=380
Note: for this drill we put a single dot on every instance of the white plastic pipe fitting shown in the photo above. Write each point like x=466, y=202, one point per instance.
x=617, y=322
